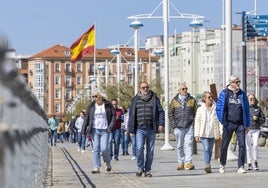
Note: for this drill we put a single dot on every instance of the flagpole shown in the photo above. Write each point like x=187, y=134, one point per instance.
x=95, y=27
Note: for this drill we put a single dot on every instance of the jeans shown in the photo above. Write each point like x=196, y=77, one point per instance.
x=72, y=135
x=133, y=144
x=100, y=139
x=145, y=137
x=53, y=138
x=226, y=137
x=115, y=135
x=124, y=140
x=81, y=139
x=252, y=146
x=184, y=137
x=208, y=144
x=61, y=137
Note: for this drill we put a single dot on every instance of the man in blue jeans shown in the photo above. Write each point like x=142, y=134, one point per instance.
x=233, y=113
x=115, y=136
x=146, y=117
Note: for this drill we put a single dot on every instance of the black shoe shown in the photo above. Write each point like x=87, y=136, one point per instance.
x=147, y=174
x=116, y=159
x=124, y=153
x=256, y=166
x=127, y=153
x=139, y=172
x=249, y=166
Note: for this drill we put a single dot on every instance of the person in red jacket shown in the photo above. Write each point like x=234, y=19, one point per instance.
x=115, y=136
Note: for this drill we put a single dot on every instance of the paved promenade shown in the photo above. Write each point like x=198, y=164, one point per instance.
x=70, y=169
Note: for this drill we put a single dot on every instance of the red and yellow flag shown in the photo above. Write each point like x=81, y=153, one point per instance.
x=85, y=44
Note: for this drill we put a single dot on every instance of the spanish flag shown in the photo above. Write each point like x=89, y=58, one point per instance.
x=85, y=44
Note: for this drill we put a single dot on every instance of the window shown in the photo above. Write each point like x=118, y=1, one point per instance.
x=68, y=94
x=57, y=108
x=57, y=67
x=57, y=80
x=68, y=81
x=79, y=67
x=57, y=94
x=79, y=80
x=68, y=67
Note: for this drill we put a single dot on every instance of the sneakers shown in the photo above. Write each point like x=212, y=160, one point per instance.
x=116, y=159
x=133, y=158
x=147, y=174
x=189, y=166
x=249, y=166
x=208, y=169
x=256, y=166
x=222, y=169
x=83, y=151
x=139, y=172
x=127, y=153
x=108, y=167
x=241, y=170
x=79, y=149
x=180, y=167
x=96, y=170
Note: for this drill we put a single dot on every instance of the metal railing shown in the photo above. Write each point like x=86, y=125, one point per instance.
x=24, y=148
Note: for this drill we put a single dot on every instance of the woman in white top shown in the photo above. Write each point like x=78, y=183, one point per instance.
x=207, y=127
x=80, y=139
x=99, y=122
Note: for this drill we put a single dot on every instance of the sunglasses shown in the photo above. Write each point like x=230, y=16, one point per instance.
x=95, y=96
x=145, y=87
x=209, y=97
x=237, y=82
x=185, y=88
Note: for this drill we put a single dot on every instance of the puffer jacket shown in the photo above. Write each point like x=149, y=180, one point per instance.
x=89, y=118
x=200, y=128
x=182, y=117
x=158, y=114
x=222, y=105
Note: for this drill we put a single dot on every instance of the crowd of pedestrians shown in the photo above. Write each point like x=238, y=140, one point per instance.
x=105, y=126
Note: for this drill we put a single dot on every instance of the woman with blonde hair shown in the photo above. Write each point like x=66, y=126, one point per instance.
x=99, y=122
x=207, y=127
x=257, y=118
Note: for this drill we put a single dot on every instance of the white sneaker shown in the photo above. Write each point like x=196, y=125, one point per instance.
x=83, y=151
x=241, y=170
x=222, y=169
x=79, y=149
x=133, y=158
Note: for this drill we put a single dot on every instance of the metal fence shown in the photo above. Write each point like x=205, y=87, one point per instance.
x=24, y=148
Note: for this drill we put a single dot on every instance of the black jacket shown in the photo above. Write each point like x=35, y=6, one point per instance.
x=89, y=118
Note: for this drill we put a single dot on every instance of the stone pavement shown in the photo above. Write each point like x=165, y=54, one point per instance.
x=70, y=169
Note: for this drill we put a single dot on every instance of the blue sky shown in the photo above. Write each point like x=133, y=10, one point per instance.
x=34, y=25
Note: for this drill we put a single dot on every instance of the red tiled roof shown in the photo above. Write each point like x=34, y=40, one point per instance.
x=60, y=51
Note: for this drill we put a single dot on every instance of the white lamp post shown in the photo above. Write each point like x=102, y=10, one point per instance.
x=195, y=24
x=118, y=58
x=166, y=18
x=136, y=25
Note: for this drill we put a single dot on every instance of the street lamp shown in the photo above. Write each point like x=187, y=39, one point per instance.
x=136, y=25
x=118, y=58
x=195, y=24
x=166, y=17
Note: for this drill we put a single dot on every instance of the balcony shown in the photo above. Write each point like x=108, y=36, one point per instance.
x=69, y=85
x=68, y=71
x=68, y=99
